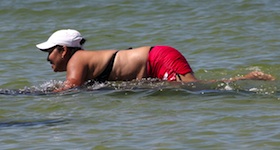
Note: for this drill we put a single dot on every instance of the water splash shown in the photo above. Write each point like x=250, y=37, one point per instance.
x=253, y=87
x=43, y=89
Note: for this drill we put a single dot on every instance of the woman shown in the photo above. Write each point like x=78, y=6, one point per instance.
x=65, y=48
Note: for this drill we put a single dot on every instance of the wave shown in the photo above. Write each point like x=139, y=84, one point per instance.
x=24, y=123
x=243, y=87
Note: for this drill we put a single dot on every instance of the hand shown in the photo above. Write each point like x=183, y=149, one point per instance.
x=258, y=75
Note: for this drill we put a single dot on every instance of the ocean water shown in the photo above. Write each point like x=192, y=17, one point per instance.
x=220, y=39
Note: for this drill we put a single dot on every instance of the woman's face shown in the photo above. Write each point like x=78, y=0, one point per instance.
x=57, y=60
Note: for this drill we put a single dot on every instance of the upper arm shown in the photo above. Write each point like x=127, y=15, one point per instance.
x=76, y=73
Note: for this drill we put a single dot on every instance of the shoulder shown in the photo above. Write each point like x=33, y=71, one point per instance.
x=90, y=57
x=81, y=55
x=79, y=58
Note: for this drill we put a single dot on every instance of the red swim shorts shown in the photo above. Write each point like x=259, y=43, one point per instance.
x=165, y=62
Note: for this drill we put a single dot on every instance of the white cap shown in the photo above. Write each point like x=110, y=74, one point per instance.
x=67, y=37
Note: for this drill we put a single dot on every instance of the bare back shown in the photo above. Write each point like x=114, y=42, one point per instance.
x=128, y=64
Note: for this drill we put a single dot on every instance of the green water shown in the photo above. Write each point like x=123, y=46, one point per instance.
x=219, y=38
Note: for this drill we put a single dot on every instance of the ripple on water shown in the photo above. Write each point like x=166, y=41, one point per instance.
x=154, y=87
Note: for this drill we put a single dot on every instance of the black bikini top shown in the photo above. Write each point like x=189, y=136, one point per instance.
x=104, y=76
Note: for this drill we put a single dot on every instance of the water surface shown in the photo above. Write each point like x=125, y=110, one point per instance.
x=220, y=39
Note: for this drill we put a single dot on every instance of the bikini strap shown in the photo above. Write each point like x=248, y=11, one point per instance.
x=104, y=76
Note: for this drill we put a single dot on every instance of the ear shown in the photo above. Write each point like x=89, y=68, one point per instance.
x=64, y=51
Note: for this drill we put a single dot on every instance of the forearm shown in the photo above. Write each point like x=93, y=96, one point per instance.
x=255, y=75
x=65, y=86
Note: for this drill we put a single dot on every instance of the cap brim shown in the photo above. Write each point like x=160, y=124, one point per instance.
x=45, y=46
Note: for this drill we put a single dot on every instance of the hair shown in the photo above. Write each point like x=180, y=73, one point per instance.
x=82, y=42
x=72, y=50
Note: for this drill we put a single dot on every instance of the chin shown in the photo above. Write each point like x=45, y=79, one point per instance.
x=57, y=70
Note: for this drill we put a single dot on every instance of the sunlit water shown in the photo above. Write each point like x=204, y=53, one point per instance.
x=220, y=39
